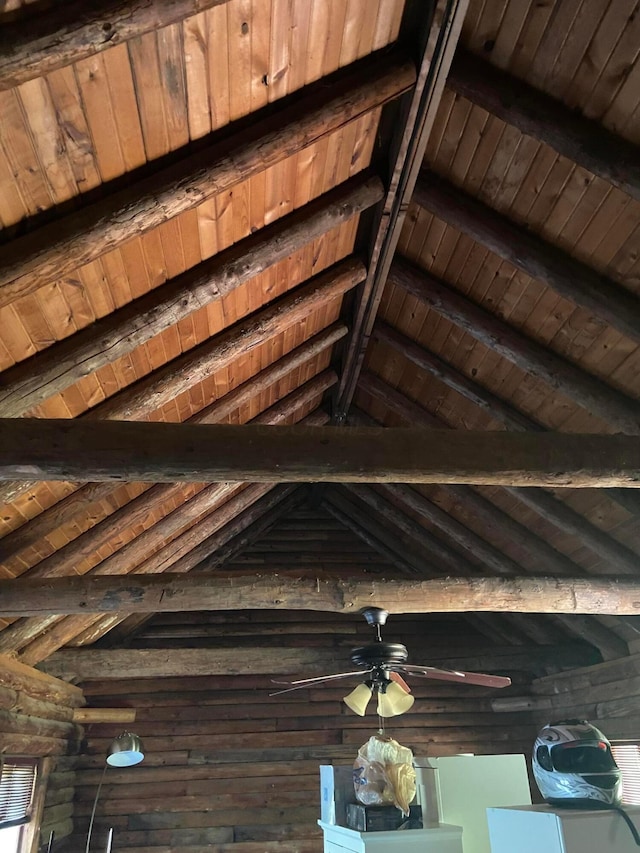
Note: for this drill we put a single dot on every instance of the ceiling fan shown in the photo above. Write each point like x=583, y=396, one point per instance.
x=384, y=664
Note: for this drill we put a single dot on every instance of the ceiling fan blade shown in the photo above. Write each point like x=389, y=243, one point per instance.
x=321, y=679
x=395, y=676
x=477, y=678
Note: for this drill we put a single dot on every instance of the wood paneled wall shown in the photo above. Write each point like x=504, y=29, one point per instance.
x=607, y=694
x=36, y=720
x=228, y=768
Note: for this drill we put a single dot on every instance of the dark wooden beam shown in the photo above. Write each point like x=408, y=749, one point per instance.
x=595, y=396
x=497, y=408
x=48, y=373
x=79, y=501
x=437, y=33
x=151, y=392
x=38, y=685
x=173, y=593
x=164, y=452
x=178, y=554
x=251, y=507
x=621, y=559
x=38, y=43
x=83, y=664
x=56, y=250
x=604, y=299
x=536, y=114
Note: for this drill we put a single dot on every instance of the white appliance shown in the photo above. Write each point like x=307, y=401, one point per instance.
x=466, y=785
x=544, y=829
x=439, y=839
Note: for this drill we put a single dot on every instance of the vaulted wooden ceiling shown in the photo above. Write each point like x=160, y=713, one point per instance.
x=345, y=212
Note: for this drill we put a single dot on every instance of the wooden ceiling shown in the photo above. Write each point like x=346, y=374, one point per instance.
x=338, y=212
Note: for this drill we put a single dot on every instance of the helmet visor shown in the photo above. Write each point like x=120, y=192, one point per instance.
x=582, y=758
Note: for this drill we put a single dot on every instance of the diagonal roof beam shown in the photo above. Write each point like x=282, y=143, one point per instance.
x=56, y=250
x=536, y=114
x=49, y=372
x=79, y=501
x=148, y=394
x=438, y=36
x=606, y=300
x=54, y=37
x=549, y=507
x=620, y=411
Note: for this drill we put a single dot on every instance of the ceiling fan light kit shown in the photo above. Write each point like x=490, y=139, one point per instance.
x=384, y=665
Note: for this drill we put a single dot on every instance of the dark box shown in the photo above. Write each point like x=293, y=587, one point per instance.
x=378, y=818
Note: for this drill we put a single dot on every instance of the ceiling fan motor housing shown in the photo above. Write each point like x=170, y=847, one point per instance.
x=380, y=654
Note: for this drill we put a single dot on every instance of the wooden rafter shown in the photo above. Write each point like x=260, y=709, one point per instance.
x=55, y=250
x=48, y=373
x=572, y=279
x=163, y=452
x=497, y=408
x=595, y=396
x=147, y=395
x=536, y=114
x=68, y=32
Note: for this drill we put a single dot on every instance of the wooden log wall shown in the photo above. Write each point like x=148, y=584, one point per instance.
x=228, y=768
x=607, y=694
x=36, y=720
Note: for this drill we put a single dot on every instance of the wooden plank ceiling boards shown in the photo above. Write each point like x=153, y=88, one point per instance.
x=217, y=214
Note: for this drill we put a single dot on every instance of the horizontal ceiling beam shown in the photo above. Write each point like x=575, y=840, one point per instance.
x=54, y=251
x=172, y=593
x=536, y=114
x=38, y=43
x=82, y=664
x=40, y=449
x=603, y=298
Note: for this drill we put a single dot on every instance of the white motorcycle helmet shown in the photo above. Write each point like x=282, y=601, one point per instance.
x=574, y=767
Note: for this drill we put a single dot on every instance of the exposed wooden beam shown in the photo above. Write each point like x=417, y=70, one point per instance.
x=497, y=408
x=82, y=664
x=203, y=512
x=438, y=30
x=606, y=300
x=594, y=395
x=79, y=501
x=48, y=373
x=38, y=685
x=151, y=392
x=163, y=452
x=621, y=559
x=39, y=43
x=172, y=593
x=83, y=716
x=536, y=114
x=133, y=513
x=56, y=250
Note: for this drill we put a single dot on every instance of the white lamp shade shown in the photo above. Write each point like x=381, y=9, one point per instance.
x=125, y=751
x=358, y=699
x=394, y=701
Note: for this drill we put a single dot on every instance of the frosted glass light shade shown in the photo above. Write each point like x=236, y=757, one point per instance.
x=125, y=751
x=358, y=699
x=394, y=701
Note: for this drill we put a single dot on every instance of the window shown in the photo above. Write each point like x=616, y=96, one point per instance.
x=627, y=756
x=17, y=782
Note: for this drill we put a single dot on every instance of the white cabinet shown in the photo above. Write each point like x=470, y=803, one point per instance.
x=438, y=839
x=466, y=785
x=543, y=829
